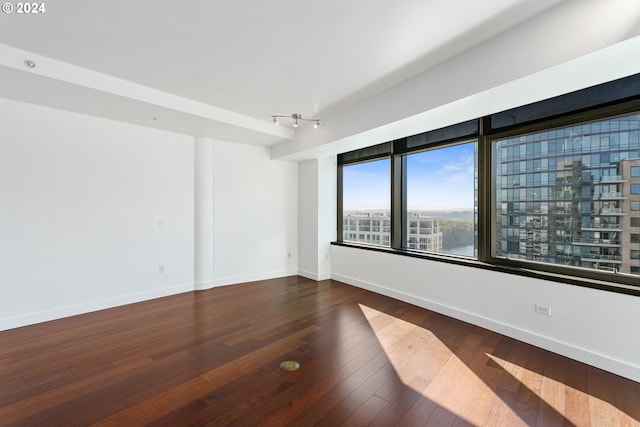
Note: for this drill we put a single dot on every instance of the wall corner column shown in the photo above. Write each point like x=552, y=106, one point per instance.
x=316, y=216
x=204, y=213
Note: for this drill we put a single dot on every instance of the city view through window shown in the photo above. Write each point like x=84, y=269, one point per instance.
x=440, y=201
x=571, y=196
x=567, y=196
x=367, y=202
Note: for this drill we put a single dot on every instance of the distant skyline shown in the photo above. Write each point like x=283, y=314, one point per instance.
x=436, y=180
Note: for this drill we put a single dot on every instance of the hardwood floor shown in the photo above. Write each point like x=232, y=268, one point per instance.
x=212, y=358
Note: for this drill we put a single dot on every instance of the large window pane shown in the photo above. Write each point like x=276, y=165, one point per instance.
x=441, y=200
x=586, y=220
x=366, y=199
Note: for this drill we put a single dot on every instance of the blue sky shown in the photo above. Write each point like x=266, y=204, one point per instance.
x=367, y=185
x=436, y=179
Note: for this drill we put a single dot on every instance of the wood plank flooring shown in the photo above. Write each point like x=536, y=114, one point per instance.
x=212, y=358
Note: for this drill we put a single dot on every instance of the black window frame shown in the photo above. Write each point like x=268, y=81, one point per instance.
x=368, y=154
x=466, y=134
x=599, y=102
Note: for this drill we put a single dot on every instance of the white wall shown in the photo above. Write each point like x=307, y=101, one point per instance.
x=256, y=214
x=593, y=326
x=308, y=219
x=327, y=205
x=80, y=203
x=204, y=213
x=316, y=216
x=82, y=198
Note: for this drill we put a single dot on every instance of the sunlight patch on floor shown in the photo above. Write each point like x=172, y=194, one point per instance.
x=424, y=363
x=558, y=395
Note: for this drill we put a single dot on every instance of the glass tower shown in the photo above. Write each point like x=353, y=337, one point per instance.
x=570, y=196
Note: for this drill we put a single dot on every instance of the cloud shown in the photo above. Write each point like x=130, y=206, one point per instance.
x=459, y=178
x=460, y=171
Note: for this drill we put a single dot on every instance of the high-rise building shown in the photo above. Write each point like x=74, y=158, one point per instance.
x=630, y=243
x=424, y=233
x=367, y=227
x=571, y=196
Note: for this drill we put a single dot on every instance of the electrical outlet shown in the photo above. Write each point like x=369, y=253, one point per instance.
x=543, y=309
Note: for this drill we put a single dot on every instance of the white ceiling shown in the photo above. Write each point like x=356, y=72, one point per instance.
x=221, y=69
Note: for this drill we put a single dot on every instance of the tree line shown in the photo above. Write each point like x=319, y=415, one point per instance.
x=456, y=233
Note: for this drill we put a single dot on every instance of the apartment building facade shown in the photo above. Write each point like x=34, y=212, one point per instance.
x=571, y=196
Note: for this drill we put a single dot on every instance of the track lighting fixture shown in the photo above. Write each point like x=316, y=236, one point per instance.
x=296, y=117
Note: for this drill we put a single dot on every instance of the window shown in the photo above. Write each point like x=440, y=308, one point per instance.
x=441, y=200
x=587, y=199
x=549, y=190
x=366, y=201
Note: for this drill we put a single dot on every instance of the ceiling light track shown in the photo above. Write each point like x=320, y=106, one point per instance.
x=296, y=118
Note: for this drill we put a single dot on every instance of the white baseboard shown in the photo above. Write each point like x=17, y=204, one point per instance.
x=73, y=310
x=233, y=280
x=589, y=357
x=314, y=276
x=201, y=286
x=89, y=306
